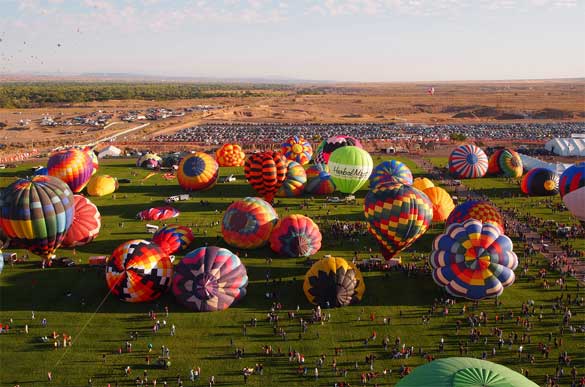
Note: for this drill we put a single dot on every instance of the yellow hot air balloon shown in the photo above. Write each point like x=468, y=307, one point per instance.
x=101, y=185
x=422, y=183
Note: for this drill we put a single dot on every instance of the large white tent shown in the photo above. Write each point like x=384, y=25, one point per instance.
x=110, y=151
x=566, y=146
x=530, y=162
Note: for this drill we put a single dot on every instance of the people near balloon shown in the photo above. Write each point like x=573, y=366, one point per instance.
x=158, y=213
x=476, y=209
x=390, y=171
x=197, y=172
x=397, y=215
x=422, y=183
x=572, y=190
x=350, y=168
x=73, y=166
x=333, y=282
x=540, y=182
x=266, y=171
x=505, y=162
x=468, y=162
x=230, y=155
x=247, y=223
x=474, y=260
x=442, y=203
x=172, y=160
x=298, y=149
x=324, y=150
x=149, y=161
x=102, y=185
x=173, y=238
x=209, y=279
x=294, y=183
x=36, y=213
x=86, y=224
x=138, y=271
x=295, y=236
x=319, y=180
x=464, y=371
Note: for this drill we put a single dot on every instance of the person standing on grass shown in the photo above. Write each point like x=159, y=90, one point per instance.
x=50, y=376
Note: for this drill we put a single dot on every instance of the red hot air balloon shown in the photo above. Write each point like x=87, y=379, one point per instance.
x=266, y=171
x=86, y=225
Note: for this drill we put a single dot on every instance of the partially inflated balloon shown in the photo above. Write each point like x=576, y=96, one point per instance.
x=37, y=213
x=295, y=236
x=86, y=225
x=476, y=209
x=333, y=282
x=138, y=271
x=540, y=182
x=101, y=185
x=328, y=146
x=473, y=260
x=294, y=184
x=442, y=203
x=391, y=171
x=210, y=279
x=350, y=168
x=197, y=172
x=266, y=171
x=173, y=238
x=422, y=183
x=505, y=162
x=397, y=216
x=230, y=155
x=247, y=223
x=297, y=149
x=73, y=166
x=468, y=162
x=319, y=180
x=94, y=159
x=149, y=161
x=572, y=190
x=158, y=213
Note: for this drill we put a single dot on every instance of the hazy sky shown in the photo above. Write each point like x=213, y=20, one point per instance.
x=345, y=40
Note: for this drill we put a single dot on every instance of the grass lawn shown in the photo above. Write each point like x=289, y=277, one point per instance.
x=103, y=323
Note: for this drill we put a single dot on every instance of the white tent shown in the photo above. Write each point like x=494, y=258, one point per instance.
x=110, y=151
x=529, y=163
x=566, y=146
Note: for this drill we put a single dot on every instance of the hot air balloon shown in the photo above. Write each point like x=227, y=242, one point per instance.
x=476, y=209
x=210, y=279
x=43, y=171
x=397, y=215
x=422, y=183
x=540, y=182
x=350, y=168
x=464, y=372
x=172, y=159
x=295, y=236
x=442, y=203
x=468, y=162
x=158, y=213
x=392, y=171
x=328, y=146
x=319, y=180
x=197, y=171
x=266, y=172
x=173, y=238
x=297, y=149
x=37, y=213
x=94, y=159
x=572, y=190
x=101, y=185
x=505, y=162
x=333, y=282
x=4, y=239
x=73, y=166
x=138, y=271
x=247, y=223
x=473, y=260
x=294, y=184
x=86, y=225
x=230, y=155
x=149, y=161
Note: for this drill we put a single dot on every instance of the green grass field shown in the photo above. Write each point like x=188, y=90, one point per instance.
x=103, y=324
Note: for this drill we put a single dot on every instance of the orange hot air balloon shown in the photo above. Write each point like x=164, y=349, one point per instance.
x=266, y=171
x=230, y=155
x=442, y=203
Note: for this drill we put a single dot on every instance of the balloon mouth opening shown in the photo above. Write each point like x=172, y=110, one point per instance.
x=471, y=159
x=238, y=221
x=478, y=377
x=205, y=287
x=297, y=148
x=549, y=185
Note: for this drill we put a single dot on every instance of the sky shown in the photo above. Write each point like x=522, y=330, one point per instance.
x=337, y=40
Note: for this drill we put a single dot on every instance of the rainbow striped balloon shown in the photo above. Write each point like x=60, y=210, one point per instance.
x=295, y=181
x=73, y=166
x=173, y=238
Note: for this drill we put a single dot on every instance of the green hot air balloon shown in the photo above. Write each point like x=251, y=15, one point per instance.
x=350, y=168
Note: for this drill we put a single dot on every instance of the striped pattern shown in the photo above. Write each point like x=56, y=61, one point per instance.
x=333, y=282
x=390, y=171
x=266, y=171
x=198, y=171
x=173, y=238
x=476, y=209
x=295, y=236
x=397, y=216
x=247, y=223
x=86, y=225
x=37, y=213
x=468, y=162
x=138, y=271
x=324, y=150
x=297, y=149
x=158, y=213
x=505, y=162
x=540, y=182
x=209, y=279
x=295, y=181
x=73, y=166
x=473, y=260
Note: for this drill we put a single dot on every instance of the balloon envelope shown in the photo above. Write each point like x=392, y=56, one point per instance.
x=295, y=181
x=390, y=171
x=158, y=213
x=149, y=161
x=319, y=180
x=173, y=238
x=442, y=203
x=295, y=236
x=197, y=172
x=328, y=146
x=73, y=166
x=422, y=183
x=86, y=225
x=247, y=223
x=296, y=148
x=101, y=185
x=266, y=171
x=350, y=168
x=333, y=282
x=468, y=162
x=540, y=182
x=572, y=190
x=505, y=162
x=476, y=209
x=230, y=155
